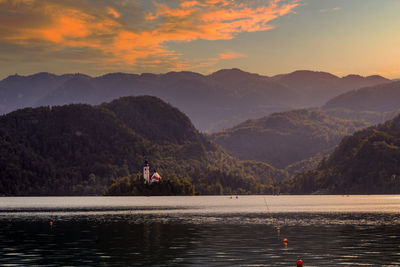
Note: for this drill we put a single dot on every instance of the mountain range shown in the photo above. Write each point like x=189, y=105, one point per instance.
x=299, y=138
x=81, y=148
x=213, y=102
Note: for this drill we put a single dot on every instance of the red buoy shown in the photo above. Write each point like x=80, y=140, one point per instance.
x=299, y=263
x=51, y=223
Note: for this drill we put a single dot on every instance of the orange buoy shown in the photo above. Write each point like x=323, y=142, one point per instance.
x=278, y=229
x=285, y=241
x=299, y=263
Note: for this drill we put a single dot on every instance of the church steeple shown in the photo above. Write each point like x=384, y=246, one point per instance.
x=146, y=172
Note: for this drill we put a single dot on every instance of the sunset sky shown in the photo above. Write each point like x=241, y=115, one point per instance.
x=262, y=36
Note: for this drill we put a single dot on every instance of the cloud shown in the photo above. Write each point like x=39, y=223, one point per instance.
x=229, y=54
x=114, y=13
x=226, y=55
x=330, y=9
x=129, y=33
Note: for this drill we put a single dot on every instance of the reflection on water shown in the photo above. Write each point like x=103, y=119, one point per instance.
x=202, y=230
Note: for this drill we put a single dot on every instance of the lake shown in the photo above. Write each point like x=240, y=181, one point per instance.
x=200, y=230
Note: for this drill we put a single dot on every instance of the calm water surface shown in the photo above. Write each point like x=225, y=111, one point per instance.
x=204, y=230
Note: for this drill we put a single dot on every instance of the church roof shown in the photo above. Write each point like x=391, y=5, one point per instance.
x=156, y=176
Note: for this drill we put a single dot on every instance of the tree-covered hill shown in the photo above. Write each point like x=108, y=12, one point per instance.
x=46, y=151
x=367, y=162
x=370, y=117
x=80, y=149
x=293, y=139
x=155, y=120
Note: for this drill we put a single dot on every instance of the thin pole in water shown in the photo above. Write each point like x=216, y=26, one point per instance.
x=270, y=215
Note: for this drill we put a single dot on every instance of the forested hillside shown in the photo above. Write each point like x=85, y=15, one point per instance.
x=367, y=162
x=295, y=139
x=81, y=149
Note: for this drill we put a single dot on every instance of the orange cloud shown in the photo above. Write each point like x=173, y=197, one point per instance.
x=114, y=13
x=230, y=55
x=64, y=26
x=122, y=40
x=189, y=4
x=218, y=19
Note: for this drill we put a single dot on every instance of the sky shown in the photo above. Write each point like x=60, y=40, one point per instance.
x=268, y=37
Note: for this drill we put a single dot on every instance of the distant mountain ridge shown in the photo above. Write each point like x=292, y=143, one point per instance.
x=213, y=102
x=318, y=87
x=379, y=98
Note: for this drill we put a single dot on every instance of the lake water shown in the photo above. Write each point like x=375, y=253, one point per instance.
x=200, y=230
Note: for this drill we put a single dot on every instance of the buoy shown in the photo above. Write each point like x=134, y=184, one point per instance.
x=51, y=223
x=285, y=241
x=299, y=263
x=278, y=229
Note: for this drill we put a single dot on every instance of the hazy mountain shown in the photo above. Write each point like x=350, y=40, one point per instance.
x=287, y=139
x=77, y=89
x=79, y=149
x=368, y=162
x=213, y=102
x=24, y=91
x=317, y=87
x=380, y=98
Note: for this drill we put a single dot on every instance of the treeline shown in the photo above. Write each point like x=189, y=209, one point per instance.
x=211, y=182
x=216, y=182
x=133, y=185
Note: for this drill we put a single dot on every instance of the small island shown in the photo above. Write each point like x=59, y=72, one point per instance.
x=142, y=184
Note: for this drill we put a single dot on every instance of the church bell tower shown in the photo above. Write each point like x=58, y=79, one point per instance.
x=146, y=172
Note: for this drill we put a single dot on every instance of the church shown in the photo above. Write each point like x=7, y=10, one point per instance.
x=156, y=177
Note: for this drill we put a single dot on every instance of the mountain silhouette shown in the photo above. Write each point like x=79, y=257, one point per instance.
x=213, y=102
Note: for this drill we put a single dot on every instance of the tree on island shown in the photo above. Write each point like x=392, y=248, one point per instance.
x=133, y=185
